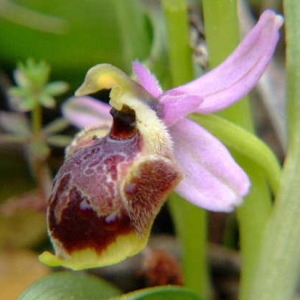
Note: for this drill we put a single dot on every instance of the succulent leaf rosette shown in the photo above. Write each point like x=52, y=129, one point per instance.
x=133, y=152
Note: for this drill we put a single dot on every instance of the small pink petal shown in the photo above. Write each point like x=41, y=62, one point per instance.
x=85, y=111
x=239, y=73
x=146, y=79
x=213, y=180
x=176, y=107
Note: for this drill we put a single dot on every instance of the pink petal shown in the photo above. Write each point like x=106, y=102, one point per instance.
x=85, y=111
x=146, y=79
x=176, y=107
x=212, y=180
x=239, y=73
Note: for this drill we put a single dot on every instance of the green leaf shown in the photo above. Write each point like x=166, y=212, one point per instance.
x=33, y=90
x=69, y=285
x=56, y=88
x=46, y=100
x=59, y=140
x=56, y=126
x=14, y=123
x=12, y=138
x=32, y=73
x=161, y=293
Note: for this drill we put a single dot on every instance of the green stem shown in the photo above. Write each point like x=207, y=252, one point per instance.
x=180, y=53
x=43, y=176
x=190, y=221
x=279, y=266
x=222, y=33
x=222, y=36
x=131, y=32
x=36, y=119
x=191, y=228
x=22, y=15
x=38, y=163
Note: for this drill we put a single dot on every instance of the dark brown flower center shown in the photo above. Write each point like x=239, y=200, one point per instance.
x=124, y=123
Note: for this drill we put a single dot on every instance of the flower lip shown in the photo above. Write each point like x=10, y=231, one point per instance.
x=79, y=235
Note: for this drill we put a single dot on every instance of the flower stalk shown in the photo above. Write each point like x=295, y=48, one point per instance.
x=190, y=222
x=280, y=244
x=219, y=17
x=37, y=119
x=179, y=50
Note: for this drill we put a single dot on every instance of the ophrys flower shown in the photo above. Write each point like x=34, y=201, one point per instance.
x=118, y=173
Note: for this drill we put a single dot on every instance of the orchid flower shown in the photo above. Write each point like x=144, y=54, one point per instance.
x=212, y=179
x=118, y=173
